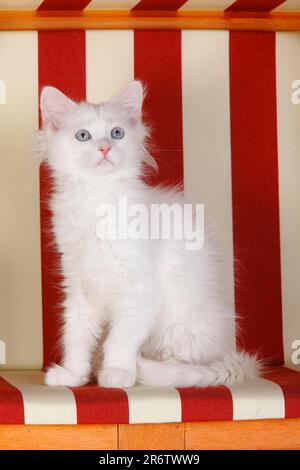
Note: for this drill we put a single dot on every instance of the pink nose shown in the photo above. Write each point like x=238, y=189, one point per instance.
x=104, y=149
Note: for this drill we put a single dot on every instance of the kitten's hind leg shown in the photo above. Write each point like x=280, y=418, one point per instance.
x=80, y=332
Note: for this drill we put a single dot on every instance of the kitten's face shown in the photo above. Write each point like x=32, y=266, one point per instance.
x=89, y=141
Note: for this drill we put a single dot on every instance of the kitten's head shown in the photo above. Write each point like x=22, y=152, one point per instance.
x=92, y=141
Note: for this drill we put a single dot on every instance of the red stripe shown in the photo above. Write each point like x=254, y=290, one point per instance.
x=254, y=5
x=11, y=404
x=61, y=64
x=255, y=191
x=206, y=404
x=157, y=59
x=64, y=4
x=159, y=5
x=101, y=405
x=289, y=381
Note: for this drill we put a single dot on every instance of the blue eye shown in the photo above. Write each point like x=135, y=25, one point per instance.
x=117, y=133
x=83, y=135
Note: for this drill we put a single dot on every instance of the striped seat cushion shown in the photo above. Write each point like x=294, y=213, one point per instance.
x=25, y=399
x=225, y=113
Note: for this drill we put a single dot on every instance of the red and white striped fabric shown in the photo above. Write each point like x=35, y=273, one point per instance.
x=224, y=122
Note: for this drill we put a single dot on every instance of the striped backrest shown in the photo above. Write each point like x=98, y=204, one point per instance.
x=223, y=121
x=153, y=5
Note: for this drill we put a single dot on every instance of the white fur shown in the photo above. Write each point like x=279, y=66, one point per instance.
x=157, y=309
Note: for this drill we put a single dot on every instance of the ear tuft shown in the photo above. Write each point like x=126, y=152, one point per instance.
x=131, y=99
x=54, y=105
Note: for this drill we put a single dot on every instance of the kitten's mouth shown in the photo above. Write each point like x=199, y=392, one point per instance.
x=104, y=161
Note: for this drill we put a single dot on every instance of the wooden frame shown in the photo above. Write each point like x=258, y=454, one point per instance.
x=93, y=19
x=229, y=435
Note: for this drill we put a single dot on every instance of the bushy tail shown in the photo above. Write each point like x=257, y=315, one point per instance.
x=233, y=368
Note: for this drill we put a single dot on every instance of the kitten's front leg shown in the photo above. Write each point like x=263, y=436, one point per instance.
x=128, y=332
x=79, y=334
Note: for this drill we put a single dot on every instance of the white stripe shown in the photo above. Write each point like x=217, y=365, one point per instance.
x=220, y=5
x=43, y=404
x=20, y=4
x=288, y=124
x=289, y=5
x=109, y=63
x=153, y=404
x=109, y=5
x=206, y=131
x=2, y=92
x=20, y=278
x=257, y=399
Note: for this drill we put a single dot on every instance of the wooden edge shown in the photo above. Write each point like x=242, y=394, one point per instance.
x=271, y=434
x=58, y=437
x=69, y=20
x=151, y=436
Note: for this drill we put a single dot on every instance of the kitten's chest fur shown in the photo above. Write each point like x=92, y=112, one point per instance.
x=103, y=265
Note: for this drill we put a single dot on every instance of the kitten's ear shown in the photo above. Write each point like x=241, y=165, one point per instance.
x=131, y=99
x=54, y=105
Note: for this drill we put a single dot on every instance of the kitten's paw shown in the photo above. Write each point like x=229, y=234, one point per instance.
x=114, y=377
x=61, y=377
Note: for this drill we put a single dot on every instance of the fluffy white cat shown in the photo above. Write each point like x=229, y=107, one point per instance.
x=156, y=309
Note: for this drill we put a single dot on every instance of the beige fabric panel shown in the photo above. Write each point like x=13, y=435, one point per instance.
x=43, y=404
x=289, y=5
x=288, y=123
x=207, y=5
x=257, y=399
x=20, y=4
x=153, y=404
x=109, y=63
x=111, y=5
x=206, y=132
x=20, y=271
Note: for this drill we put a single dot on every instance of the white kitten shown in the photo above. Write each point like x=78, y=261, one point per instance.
x=168, y=323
